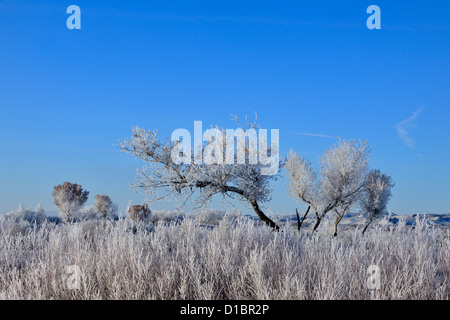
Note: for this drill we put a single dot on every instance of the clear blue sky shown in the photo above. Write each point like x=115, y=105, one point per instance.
x=311, y=69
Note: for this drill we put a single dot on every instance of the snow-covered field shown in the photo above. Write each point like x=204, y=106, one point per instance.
x=217, y=255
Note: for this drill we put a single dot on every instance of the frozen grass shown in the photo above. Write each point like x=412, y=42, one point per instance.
x=235, y=258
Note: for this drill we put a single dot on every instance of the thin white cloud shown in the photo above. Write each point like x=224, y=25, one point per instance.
x=310, y=134
x=403, y=134
x=222, y=19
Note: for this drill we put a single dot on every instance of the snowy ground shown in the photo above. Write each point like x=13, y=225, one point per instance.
x=219, y=256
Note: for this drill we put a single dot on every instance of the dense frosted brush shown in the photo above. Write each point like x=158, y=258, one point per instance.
x=235, y=259
x=36, y=216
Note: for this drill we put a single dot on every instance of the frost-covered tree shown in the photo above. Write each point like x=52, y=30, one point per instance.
x=337, y=185
x=303, y=182
x=69, y=198
x=162, y=177
x=376, y=195
x=105, y=207
x=344, y=168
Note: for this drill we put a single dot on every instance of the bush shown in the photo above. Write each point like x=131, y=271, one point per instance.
x=32, y=217
x=105, y=207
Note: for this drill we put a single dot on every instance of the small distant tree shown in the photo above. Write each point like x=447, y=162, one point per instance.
x=376, y=195
x=69, y=198
x=104, y=206
x=338, y=184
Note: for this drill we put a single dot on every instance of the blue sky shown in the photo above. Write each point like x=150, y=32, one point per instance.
x=311, y=69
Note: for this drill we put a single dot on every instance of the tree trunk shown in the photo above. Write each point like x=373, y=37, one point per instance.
x=317, y=223
x=255, y=206
x=299, y=223
x=365, y=228
x=262, y=216
x=338, y=219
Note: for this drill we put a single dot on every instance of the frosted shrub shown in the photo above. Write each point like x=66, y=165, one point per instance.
x=102, y=209
x=86, y=213
x=105, y=207
x=209, y=217
x=139, y=214
x=165, y=216
x=32, y=217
